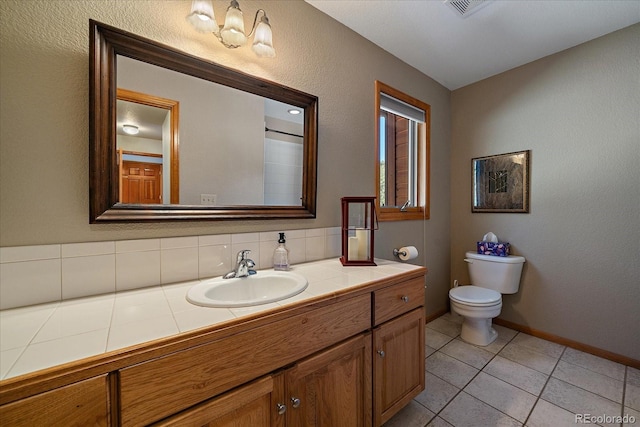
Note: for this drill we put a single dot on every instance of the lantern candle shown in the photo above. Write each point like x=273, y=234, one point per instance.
x=362, y=236
x=354, y=248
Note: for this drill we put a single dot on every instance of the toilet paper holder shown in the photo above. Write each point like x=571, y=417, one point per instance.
x=406, y=253
x=397, y=252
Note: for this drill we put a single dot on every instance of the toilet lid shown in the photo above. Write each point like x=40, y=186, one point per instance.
x=475, y=295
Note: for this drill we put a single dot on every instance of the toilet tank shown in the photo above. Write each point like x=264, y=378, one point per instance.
x=501, y=274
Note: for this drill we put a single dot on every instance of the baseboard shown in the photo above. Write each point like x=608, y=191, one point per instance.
x=614, y=357
x=435, y=315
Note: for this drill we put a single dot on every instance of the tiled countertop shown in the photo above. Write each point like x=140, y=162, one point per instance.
x=46, y=335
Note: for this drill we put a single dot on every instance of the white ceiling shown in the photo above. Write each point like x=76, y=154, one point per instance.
x=498, y=36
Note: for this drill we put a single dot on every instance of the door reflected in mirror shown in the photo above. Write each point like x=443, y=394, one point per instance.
x=147, y=129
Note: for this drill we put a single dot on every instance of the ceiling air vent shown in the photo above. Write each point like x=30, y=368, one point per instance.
x=464, y=8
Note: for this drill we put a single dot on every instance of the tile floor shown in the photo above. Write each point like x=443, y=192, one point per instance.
x=518, y=380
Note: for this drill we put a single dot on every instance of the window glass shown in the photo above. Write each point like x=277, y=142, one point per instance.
x=402, y=155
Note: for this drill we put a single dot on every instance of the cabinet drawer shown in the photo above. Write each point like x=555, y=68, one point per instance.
x=80, y=404
x=397, y=299
x=247, y=405
x=153, y=390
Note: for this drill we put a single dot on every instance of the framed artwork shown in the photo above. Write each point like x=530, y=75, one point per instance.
x=500, y=183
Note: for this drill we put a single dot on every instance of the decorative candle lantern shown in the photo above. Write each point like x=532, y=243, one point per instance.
x=358, y=219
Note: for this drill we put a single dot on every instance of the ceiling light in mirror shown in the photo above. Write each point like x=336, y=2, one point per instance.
x=130, y=129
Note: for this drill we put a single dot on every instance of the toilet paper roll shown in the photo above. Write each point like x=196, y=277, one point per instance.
x=410, y=252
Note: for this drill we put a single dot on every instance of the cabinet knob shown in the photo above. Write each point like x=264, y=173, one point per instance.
x=295, y=402
x=381, y=353
x=404, y=298
x=281, y=408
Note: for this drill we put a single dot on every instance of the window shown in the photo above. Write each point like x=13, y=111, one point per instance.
x=402, y=155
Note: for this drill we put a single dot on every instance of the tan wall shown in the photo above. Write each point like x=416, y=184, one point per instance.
x=577, y=111
x=44, y=121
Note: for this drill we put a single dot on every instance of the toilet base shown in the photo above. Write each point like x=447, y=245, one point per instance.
x=478, y=331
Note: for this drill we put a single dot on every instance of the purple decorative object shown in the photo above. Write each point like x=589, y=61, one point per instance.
x=495, y=249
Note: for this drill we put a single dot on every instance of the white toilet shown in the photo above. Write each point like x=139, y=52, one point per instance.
x=480, y=302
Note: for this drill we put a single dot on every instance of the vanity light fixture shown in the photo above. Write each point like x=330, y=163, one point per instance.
x=130, y=129
x=232, y=34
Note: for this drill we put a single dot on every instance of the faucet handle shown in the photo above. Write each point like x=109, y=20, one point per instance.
x=242, y=255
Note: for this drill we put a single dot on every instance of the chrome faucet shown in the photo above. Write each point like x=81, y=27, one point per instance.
x=244, y=266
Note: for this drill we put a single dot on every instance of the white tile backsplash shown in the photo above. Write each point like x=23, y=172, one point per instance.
x=87, y=249
x=46, y=273
x=88, y=275
x=137, y=270
x=178, y=264
x=266, y=252
x=237, y=239
x=314, y=248
x=333, y=245
x=214, y=239
x=30, y=282
x=297, y=250
x=179, y=242
x=214, y=260
x=29, y=253
x=294, y=234
x=123, y=246
x=314, y=232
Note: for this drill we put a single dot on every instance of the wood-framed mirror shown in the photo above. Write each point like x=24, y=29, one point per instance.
x=207, y=191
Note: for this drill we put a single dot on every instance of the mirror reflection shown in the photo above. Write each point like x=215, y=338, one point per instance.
x=176, y=137
x=224, y=147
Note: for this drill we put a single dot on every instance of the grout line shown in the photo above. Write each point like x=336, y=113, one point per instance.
x=624, y=390
x=461, y=390
x=591, y=370
x=538, y=397
x=24, y=349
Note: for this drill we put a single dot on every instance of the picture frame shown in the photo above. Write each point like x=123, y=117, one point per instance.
x=500, y=183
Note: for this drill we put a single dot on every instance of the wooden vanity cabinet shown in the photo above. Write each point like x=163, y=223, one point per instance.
x=331, y=388
x=352, y=359
x=398, y=348
x=158, y=388
x=85, y=403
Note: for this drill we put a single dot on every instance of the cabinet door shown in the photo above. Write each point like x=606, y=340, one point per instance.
x=254, y=404
x=398, y=364
x=332, y=388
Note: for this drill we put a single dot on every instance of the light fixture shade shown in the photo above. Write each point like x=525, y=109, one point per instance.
x=262, y=40
x=130, y=129
x=233, y=31
x=202, y=17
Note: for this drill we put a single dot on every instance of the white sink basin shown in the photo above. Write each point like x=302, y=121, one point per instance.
x=260, y=288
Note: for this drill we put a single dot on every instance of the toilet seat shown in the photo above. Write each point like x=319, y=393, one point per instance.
x=475, y=296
